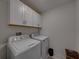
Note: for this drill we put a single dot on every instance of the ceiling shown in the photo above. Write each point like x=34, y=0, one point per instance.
x=44, y=5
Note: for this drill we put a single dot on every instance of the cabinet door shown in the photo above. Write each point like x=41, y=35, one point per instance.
x=36, y=19
x=28, y=15
x=21, y=14
x=16, y=12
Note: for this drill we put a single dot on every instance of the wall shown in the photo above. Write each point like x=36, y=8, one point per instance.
x=7, y=31
x=59, y=25
x=77, y=25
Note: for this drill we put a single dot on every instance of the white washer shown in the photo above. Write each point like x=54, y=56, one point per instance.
x=44, y=45
x=19, y=48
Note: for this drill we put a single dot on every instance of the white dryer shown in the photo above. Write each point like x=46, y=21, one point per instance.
x=19, y=48
x=44, y=44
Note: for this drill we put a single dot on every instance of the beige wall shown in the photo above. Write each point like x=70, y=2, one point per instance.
x=5, y=30
x=59, y=25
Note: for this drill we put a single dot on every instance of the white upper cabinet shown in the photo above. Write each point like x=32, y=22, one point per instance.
x=36, y=19
x=28, y=15
x=16, y=12
x=21, y=14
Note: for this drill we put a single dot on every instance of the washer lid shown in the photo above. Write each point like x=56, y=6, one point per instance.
x=40, y=37
x=21, y=46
